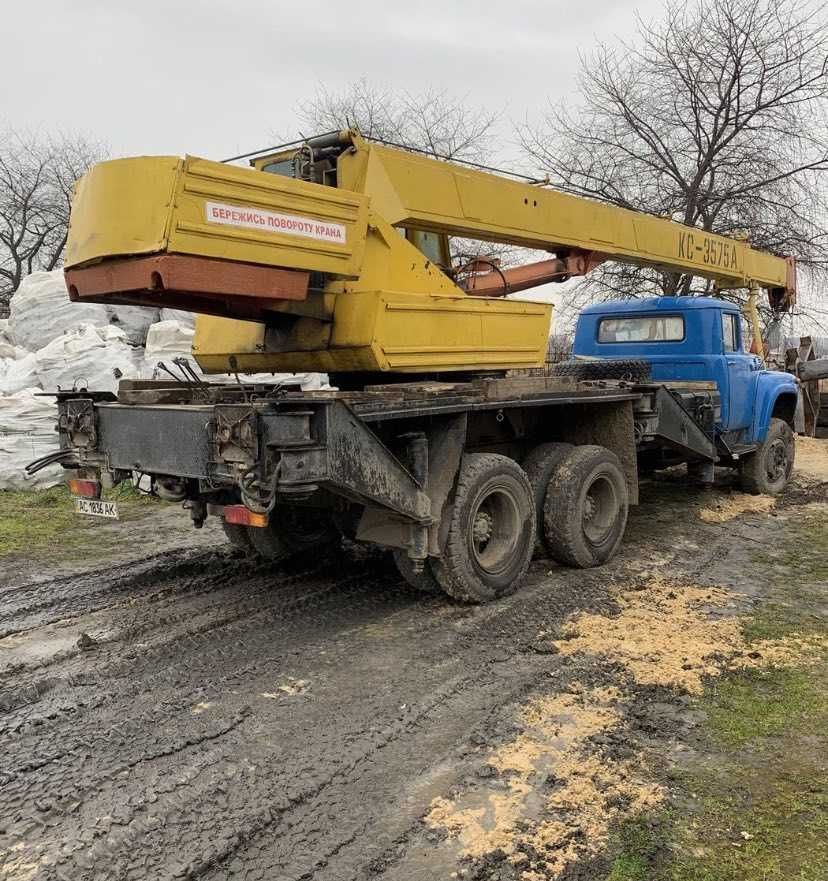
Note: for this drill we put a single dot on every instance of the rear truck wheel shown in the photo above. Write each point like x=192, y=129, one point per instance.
x=424, y=581
x=491, y=532
x=539, y=466
x=237, y=535
x=630, y=369
x=291, y=530
x=585, y=513
x=768, y=469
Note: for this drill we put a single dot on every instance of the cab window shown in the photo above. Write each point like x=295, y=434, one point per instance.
x=642, y=329
x=730, y=332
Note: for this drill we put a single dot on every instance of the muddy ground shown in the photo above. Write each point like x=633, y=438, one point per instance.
x=171, y=709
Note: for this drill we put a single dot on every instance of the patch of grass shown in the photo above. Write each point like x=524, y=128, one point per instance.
x=803, y=554
x=42, y=522
x=764, y=703
x=751, y=804
x=774, y=830
x=639, y=843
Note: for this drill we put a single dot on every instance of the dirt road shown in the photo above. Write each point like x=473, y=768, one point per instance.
x=186, y=712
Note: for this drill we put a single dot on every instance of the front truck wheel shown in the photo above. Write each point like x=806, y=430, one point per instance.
x=585, y=513
x=291, y=530
x=491, y=532
x=768, y=469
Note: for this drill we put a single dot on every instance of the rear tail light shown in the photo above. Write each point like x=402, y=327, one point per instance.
x=90, y=489
x=242, y=516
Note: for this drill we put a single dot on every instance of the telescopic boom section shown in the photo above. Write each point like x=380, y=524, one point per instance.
x=417, y=191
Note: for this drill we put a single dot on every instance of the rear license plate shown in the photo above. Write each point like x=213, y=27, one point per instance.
x=95, y=508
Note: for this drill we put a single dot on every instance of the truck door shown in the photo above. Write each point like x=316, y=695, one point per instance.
x=741, y=369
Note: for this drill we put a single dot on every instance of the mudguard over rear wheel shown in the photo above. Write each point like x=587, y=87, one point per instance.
x=491, y=532
x=585, y=513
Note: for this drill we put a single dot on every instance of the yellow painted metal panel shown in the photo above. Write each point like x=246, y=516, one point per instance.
x=455, y=333
x=218, y=338
x=242, y=214
x=412, y=190
x=121, y=207
x=375, y=330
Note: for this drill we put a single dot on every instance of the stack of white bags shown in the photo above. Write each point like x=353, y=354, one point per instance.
x=49, y=343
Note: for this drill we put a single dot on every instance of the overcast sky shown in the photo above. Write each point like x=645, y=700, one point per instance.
x=219, y=77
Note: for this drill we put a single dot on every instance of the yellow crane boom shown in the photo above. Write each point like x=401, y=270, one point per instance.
x=338, y=261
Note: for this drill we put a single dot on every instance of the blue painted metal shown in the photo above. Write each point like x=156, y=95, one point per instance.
x=748, y=392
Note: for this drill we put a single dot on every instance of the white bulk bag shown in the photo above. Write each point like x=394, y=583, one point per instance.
x=18, y=373
x=87, y=358
x=41, y=310
x=27, y=432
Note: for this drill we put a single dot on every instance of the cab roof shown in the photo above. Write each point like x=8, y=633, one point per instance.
x=660, y=304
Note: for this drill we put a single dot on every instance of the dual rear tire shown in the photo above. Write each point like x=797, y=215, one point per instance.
x=491, y=530
x=569, y=502
x=585, y=508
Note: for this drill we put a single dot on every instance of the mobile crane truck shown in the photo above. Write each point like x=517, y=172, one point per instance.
x=333, y=256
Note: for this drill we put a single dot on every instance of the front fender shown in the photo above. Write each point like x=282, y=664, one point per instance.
x=771, y=385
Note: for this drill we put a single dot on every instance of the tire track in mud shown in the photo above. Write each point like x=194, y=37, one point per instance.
x=84, y=594
x=248, y=627
x=40, y=792
x=185, y=745
x=168, y=608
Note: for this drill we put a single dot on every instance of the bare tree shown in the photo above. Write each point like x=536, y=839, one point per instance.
x=714, y=117
x=435, y=121
x=36, y=180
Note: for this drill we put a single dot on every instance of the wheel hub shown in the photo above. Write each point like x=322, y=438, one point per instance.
x=482, y=527
x=600, y=510
x=494, y=529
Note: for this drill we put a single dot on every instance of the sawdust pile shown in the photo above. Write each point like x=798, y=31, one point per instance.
x=674, y=635
x=558, y=793
x=728, y=507
x=812, y=457
x=545, y=770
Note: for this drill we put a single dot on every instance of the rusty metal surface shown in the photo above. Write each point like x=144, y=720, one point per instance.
x=200, y=284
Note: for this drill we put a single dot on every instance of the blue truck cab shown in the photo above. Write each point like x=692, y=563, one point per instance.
x=697, y=339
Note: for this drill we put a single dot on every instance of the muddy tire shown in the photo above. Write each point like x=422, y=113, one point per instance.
x=630, y=369
x=292, y=530
x=491, y=532
x=424, y=581
x=269, y=542
x=237, y=535
x=539, y=466
x=585, y=513
x=768, y=470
